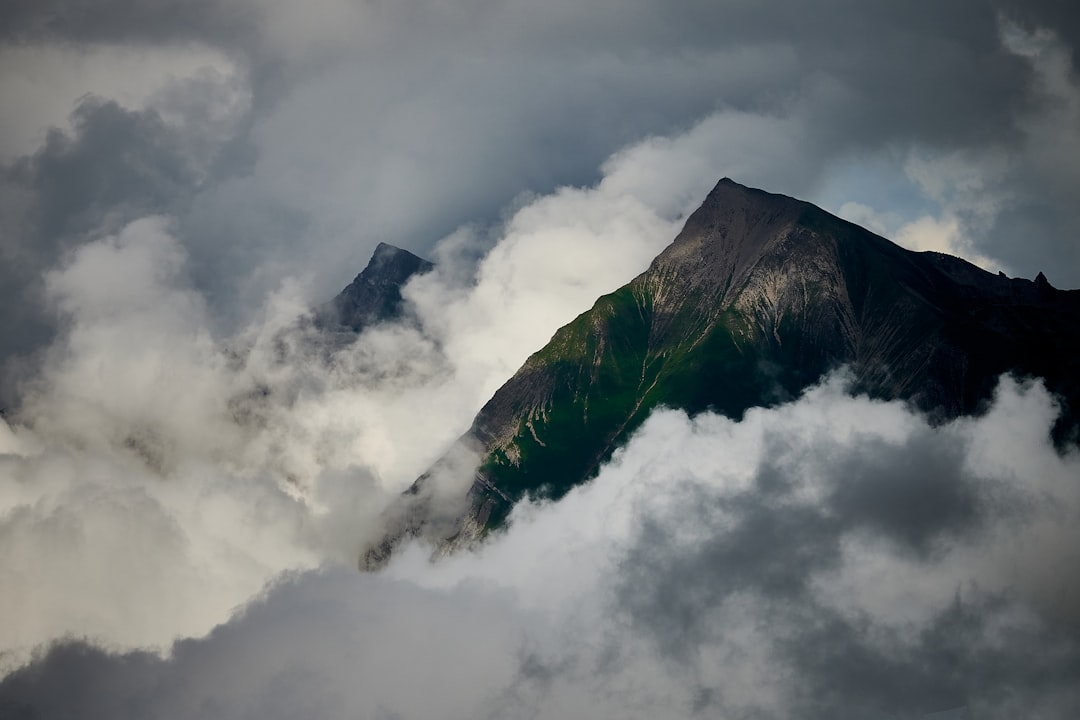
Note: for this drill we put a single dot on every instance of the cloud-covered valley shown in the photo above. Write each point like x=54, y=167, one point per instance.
x=835, y=556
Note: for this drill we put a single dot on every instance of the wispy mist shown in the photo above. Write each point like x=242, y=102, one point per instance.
x=167, y=473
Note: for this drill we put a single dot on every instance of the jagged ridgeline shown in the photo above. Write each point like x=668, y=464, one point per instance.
x=757, y=297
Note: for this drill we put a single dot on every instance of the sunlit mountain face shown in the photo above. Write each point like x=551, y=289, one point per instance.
x=604, y=442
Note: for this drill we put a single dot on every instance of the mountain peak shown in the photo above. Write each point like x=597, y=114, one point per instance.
x=757, y=297
x=375, y=294
x=722, y=242
x=385, y=251
x=734, y=212
x=726, y=188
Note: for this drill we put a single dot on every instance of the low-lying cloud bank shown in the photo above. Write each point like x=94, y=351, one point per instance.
x=155, y=475
x=832, y=557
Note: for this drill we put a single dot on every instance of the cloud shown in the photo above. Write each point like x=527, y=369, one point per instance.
x=155, y=463
x=327, y=152
x=41, y=84
x=115, y=166
x=831, y=557
x=1042, y=171
x=126, y=497
x=122, y=20
x=172, y=441
x=982, y=200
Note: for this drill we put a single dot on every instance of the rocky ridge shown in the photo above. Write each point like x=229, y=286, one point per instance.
x=755, y=299
x=375, y=294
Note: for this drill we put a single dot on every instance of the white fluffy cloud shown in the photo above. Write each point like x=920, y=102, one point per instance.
x=832, y=557
x=169, y=473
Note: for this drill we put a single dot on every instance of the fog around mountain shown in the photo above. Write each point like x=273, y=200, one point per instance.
x=832, y=557
x=286, y=144
x=186, y=472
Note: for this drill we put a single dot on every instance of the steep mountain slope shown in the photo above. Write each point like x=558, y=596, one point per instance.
x=756, y=298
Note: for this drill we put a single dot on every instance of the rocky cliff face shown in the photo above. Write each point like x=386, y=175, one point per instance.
x=756, y=298
x=375, y=294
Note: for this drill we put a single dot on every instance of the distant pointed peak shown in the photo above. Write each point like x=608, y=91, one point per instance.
x=387, y=250
x=375, y=294
x=388, y=256
x=726, y=184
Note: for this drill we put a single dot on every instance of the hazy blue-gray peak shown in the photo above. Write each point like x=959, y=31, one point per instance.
x=756, y=298
x=375, y=294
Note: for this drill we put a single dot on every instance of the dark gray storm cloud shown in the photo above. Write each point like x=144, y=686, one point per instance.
x=140, y=21
x=115, y=166
x=116, y=163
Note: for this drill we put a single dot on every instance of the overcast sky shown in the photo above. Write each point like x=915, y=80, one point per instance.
x=180, y=179
x=283, y=140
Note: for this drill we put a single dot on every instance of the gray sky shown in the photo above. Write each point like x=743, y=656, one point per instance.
x=285, y=141
x=178, y=461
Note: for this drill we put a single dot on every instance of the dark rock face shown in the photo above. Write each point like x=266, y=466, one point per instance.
x=375, y=295
x=756, y=298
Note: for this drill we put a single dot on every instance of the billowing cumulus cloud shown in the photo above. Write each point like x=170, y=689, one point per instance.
x=168, y=473
x=832, y=557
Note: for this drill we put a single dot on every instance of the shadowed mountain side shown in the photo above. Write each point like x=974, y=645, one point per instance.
x=375, y=294
x=755, y=300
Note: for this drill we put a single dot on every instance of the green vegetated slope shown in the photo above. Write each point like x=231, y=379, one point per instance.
x=755, y=300
x=599, y=378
